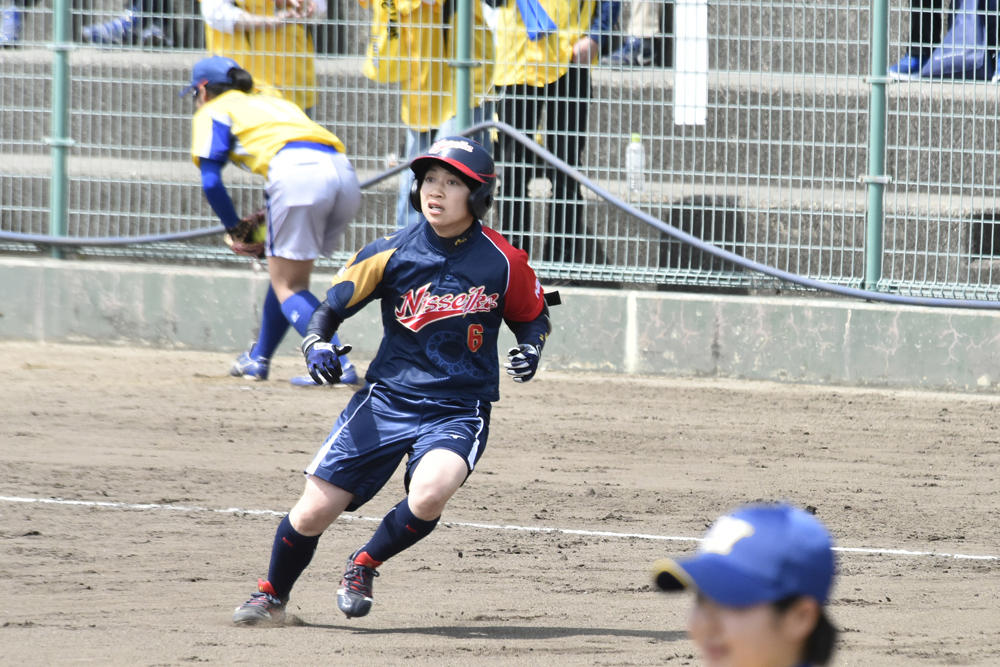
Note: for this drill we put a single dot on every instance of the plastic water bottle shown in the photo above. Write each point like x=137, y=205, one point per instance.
x=635, y=165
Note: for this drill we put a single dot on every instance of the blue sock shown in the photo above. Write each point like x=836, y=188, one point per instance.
x=290, y=556
x=273, y=326
x=298, y=308
x=399, y=530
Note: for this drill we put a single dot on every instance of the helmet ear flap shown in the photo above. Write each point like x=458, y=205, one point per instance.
x=415, y=193
x=480, y=200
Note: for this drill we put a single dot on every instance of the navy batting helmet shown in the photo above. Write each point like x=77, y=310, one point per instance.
x=469, y=160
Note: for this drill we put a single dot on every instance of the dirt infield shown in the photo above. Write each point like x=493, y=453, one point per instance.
x=544, y=557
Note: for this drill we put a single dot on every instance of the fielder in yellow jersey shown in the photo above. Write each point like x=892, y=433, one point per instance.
x=312, y=192
x=256, y=126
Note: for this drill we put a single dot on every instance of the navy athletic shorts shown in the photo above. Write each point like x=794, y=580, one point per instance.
x=379, y=427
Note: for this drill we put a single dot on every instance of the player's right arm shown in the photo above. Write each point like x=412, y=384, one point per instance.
x=354, y=286
x=211, y=138
x=216, y=193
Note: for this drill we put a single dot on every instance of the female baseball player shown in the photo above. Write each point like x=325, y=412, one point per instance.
x=445, y=285
x=312, y=192
x=762, y=576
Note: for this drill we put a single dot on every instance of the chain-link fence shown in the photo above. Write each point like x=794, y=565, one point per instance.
x=762, y=130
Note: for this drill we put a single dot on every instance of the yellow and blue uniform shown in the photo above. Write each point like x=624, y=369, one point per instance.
x=249, y=130
x=311, y=190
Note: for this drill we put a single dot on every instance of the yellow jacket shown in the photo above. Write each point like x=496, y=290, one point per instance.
x=407, y=45
x=283, y=57
x=537, y=63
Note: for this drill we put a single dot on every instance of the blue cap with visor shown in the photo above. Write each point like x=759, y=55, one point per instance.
x=756, y=554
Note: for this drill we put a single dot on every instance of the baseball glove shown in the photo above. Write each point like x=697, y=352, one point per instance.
x=247, y=237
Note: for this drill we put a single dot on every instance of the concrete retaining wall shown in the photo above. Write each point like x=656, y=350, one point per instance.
x=821, y=340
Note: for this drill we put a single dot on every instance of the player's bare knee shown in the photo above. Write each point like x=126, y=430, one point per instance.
x=428, y=502
x=310, y=519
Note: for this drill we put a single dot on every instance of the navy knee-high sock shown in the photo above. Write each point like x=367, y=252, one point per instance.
x=399, y=530
x=290, y=556
x=273, y=326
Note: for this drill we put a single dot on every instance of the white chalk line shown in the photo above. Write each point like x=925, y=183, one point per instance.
x=464, y=524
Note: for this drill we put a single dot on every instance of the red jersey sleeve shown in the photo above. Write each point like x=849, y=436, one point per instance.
x=525, y=299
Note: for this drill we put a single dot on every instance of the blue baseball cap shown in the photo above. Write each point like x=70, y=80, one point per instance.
x=758, y=553
x=210, y=70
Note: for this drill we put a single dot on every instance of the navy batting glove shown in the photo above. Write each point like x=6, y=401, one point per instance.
x=522, y=362
x=322, y=359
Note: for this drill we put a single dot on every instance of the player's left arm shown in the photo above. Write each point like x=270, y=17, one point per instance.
x=591, y=45
x=522, y=361
x=527, y=315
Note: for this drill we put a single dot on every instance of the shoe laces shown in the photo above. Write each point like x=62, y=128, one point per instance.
x=358, y=578
x=264, y=597
x=265, y=600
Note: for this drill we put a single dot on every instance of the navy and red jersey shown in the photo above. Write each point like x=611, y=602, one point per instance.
x=443, y=301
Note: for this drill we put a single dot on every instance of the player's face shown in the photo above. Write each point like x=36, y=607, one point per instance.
x=755, y=636
x=444, y=200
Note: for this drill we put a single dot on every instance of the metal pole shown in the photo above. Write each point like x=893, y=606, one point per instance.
x=462, y=64
x=876, y=179
x=60, y=141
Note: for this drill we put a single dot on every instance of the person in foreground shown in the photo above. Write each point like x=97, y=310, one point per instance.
x=445, y=285
x=762, y=578
x=312, y=194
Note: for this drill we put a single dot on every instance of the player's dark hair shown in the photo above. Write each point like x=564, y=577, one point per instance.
x=821, y=642
x=239, y=79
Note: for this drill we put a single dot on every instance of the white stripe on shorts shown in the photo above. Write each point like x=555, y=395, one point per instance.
x=321, y=454
x=471, y=459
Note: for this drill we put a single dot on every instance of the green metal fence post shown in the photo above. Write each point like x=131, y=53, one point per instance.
x=462, y=64
x=876, y=179
x=60, y=141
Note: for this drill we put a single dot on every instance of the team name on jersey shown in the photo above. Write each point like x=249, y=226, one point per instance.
x=419, y=308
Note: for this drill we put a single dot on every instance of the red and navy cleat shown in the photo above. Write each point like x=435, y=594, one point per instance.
x=354, y=597
x=263, y=607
